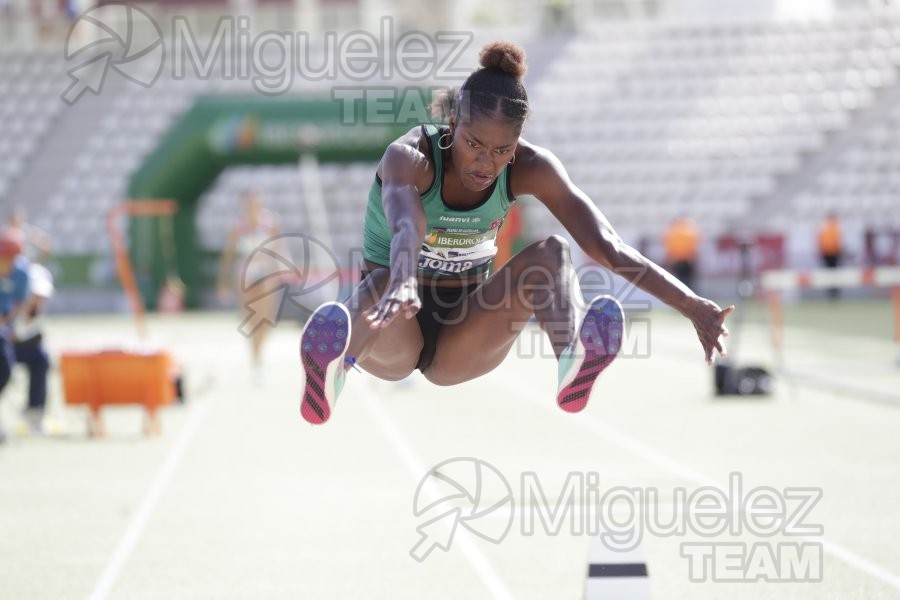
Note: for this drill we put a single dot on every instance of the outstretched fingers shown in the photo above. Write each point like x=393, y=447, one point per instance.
x=709, y=321
x=720, y=331
x=383, y=314
x=403, y=299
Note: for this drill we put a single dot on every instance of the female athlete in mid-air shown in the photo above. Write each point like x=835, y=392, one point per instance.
x=427, y=300
x=245, y=271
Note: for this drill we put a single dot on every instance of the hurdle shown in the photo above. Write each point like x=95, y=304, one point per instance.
x=616, y=574
x=776, y=282
x=124, y=269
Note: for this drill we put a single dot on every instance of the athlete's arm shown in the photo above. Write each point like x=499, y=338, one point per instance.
x=404, y=170
x=542, y=175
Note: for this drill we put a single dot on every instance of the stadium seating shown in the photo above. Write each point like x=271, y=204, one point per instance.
x=651, y=119
x=655, y=121
x=98, y=178
x=29, y=104
x=865, y=179
x=344, y=191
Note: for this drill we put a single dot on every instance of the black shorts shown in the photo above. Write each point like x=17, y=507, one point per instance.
x=437, y=302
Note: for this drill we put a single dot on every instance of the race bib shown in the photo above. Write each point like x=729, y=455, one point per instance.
x=456, y=250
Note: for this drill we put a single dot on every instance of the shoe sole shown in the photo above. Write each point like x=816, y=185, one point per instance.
x=323, y=343
x=599, y=341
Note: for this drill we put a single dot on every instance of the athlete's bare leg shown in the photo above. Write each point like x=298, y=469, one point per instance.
x=388, y=353
x=478, y=335
x=258, y=304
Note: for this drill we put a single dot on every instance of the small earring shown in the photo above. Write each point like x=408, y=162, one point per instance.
x=441, y=139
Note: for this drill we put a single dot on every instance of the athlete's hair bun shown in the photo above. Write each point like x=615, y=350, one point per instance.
x=504, y=56
x=496, y=90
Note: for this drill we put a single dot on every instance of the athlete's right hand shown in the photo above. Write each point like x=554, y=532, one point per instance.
x=400, y=297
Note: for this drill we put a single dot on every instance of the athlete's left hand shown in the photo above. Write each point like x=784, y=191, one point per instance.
x=709, y=321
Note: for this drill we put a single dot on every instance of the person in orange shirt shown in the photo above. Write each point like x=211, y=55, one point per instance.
x=682, y=240
x=508, y=236
x=830, y=247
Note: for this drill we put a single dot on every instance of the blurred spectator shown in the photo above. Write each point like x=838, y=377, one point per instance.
x=509, y=236
x=880, y=247
x=37, y=244
x=682, y=240
x=247, y=273
x=72, y=8
x=28, y=331
x=830, y=247
x=13, y=293
x=29, y=343
x=558, y=17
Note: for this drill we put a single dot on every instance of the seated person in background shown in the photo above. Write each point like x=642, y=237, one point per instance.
x=13, y=293
x=29, y=343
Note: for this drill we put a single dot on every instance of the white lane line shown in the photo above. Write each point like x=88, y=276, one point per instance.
x=138, y=523
x=473, y=555
x=863, y=564
x=674, y=467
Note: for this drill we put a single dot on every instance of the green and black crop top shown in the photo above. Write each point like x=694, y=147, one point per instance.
x=457, y=242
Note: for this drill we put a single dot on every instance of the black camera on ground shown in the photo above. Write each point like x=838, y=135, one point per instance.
x=746, y=381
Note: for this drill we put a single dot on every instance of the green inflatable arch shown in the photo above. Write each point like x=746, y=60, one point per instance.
x=221, y=131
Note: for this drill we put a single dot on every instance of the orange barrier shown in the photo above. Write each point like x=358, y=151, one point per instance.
x=109, y=377
x=116, y=377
